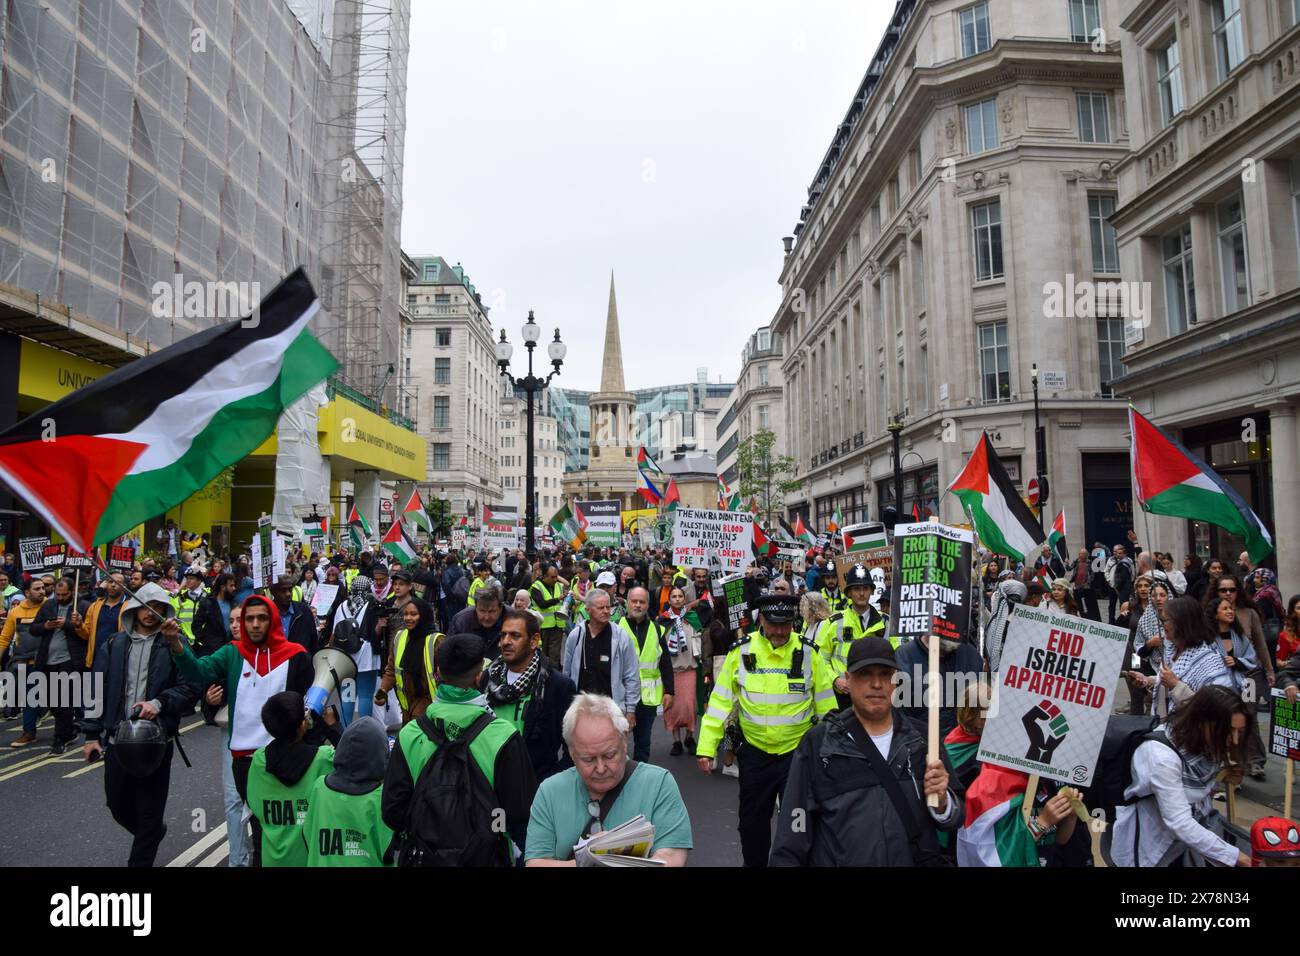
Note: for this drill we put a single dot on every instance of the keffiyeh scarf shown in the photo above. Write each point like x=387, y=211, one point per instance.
x=499, y=688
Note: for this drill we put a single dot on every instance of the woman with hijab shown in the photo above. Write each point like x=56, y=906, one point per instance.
x=681, y=637
x=405, y=671
x=1189, y=660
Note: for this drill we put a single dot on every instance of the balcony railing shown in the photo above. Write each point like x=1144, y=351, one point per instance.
x=336, y=388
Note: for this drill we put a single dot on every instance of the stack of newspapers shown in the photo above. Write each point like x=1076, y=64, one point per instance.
x=625, y=845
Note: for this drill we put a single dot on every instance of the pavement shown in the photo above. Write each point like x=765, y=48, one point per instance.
x=57, y=817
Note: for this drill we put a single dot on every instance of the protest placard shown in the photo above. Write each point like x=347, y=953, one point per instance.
x=323, y=599
x=31, y=552
x=729, y=604
x=79, y=559
x=1052, y=697
x=53, y=556
x=121, y=558
x=878, y=561
x=930, y=582
x=458, y=538
x=717, y=540
x=1284, y=727
x=499, y=537
x=604, y=523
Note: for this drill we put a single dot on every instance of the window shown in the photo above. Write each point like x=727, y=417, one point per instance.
x=762, y=416
x=986, y=223
x=406, y=371
x=1229, y=48
x=411, y=299
x=762, y=376
x=1169, y=78
x=1085, y=20
x=430, y=272
x=982, y=126
x=994, y=369
x=442, y=411
x=1094, y=120
x=442, y=298
x=443, y=337
x=974, y=29
x=875, y=220
x=764, y=339
x=895, y=196
x=441, y=456
x=1232, y=253
x=1110, y=352
x=1180, y=289
x=442, y=371
x=914, y=161
x=407, y=334
x=1105, y=249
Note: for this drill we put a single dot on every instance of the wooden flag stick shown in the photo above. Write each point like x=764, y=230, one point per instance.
x=1286, y=794
x=934, y=697
x=1096, y=827
x=1031, y=791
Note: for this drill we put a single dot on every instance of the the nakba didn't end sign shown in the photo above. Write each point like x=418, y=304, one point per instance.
x=718, y=540
x=1052, y=697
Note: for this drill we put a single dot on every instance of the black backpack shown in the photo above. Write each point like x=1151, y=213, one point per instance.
x=451, y=817
x=1114, y=771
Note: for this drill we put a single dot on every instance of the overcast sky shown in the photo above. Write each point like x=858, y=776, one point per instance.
x=673, y=142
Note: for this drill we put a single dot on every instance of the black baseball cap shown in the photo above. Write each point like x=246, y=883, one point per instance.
x=401, y=574
x=459, y=654
x=866, y=651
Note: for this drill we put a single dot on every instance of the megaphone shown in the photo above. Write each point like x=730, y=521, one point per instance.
x=332, y=668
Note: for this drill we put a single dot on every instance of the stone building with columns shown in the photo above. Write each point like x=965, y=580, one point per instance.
x=1209, y=221
x=958, y=216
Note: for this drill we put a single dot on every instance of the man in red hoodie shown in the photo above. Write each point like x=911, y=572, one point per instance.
x=252, y=670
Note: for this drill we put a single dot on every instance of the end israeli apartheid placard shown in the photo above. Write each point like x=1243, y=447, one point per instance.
x=1052, y=697
x=930, y=587
x=718, y=540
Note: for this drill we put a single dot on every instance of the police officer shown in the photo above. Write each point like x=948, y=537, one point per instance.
x=482, y=571
x=781, y=686
x=547, y=595
x=858, y=620
x=186, y=601
x=830, y=588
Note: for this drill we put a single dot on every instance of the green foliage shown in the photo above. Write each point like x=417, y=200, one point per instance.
x=439, y=511
x=764, y=475
x=218, y=487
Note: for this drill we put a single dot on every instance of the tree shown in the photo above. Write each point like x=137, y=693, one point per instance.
x=439, y=510
x=765, y=475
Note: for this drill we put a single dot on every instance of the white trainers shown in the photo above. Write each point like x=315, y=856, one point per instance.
x=732, y=771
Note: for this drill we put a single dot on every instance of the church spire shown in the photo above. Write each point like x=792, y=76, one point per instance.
x=611, y=374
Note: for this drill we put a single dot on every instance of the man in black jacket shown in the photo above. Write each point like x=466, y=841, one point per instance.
x=211, y=620
x=296, y=617
x=482, y=620
x=137, y=670
x=523, y=688
x=839, y=808
x=62, y=651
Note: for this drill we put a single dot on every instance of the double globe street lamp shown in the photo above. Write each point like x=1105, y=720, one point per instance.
x=530, y=386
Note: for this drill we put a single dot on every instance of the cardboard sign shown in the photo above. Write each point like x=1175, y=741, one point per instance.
x=499, y=537
x=1052, y=697
x=604, y=523
x=458, y=538
x=879, y=561
x=121, y=558
x=79, y=559
x=930, y=590
x=1284, y=727
x=323, y=599
x=717, y=540
x=729, y=604
x=31, y=552
x=54, y=555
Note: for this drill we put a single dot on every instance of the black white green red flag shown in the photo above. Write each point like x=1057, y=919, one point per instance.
x=358, y=527
x=1170, y=480
x=398, y=545
x=1000, y=517
x=148, y=435
x=414, y=512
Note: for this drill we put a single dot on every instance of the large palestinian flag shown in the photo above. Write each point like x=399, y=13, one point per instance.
x=1170, y=480
x=994, y=833
x=1002, y=520
x=397, y=544
x=414, y=512
x=148, y=435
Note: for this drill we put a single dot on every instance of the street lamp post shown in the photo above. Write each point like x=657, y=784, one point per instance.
x=895, y=429
x=1040, y=452
x=530, y=385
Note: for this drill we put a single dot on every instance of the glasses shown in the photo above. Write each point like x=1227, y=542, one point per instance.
x=1227, y=590
x=593, y=808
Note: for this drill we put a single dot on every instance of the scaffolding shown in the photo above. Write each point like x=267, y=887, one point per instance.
x=359, y=180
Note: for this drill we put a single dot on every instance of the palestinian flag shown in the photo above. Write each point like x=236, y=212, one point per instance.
x=916, y=511
x=672, y=497
x=318, y=527
x=863, y=537
x=764, y=547
x=414, y=512
x=801, y=531
x=359, y=527
x=500, y=515
x=398, y=544
x=836, y=520
x=647, y=474
x=1170, y=480
x=464, y=521
x=1003, y=521
x=1056, y=540
x=994, y=833
x=568, y=528
x=146, y=436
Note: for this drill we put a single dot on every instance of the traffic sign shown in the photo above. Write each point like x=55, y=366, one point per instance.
x=1033, y=491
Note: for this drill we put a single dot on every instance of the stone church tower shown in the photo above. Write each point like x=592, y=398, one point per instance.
x=612, y=464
